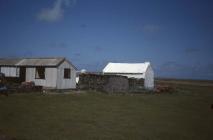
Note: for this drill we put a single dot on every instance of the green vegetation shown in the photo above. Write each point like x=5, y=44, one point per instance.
x=183, y=115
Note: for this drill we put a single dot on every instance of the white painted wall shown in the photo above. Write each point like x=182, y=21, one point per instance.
x=66, y=83
x=54, y=77
x=149, y=78
x=10, y=71
x=50, y=77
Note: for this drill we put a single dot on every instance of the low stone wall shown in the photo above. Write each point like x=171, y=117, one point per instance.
x=106, y=83
x=136, y=85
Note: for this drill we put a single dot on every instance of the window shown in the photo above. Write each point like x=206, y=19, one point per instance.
x=40, y=73
x=67, y=73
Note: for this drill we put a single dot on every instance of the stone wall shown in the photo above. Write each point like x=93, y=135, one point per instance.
x=110, y=83
x=106, y=83
x=136, y=85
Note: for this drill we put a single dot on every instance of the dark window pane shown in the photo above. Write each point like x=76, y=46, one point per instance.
x=40, y=73
x=67, y=73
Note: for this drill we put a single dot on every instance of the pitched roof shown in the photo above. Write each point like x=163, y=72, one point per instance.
x=126, y=67
x=8, y=62
x=40, y=61
x=55, y=61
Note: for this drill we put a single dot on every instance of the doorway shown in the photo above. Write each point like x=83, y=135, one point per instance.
x=22, y=74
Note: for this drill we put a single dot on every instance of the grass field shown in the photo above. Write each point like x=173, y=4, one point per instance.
x=183, y=115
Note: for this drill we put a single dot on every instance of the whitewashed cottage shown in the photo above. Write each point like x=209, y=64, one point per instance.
x=55, y=73
x=132, y=70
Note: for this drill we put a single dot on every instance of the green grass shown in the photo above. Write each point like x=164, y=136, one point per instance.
x=183, y=115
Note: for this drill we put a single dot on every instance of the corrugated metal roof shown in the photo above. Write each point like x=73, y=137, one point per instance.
x=9, y=62
x=32, y=61
x=40, y=62
x=126, y=68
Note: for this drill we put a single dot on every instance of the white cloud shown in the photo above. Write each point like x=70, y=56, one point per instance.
x=56, y=12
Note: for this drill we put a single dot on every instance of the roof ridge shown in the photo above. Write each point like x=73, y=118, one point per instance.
x=19, y=62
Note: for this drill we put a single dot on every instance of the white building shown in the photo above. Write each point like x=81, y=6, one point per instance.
x=133, y=70
x=56, y=73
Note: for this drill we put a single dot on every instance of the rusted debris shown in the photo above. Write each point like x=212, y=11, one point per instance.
x=29, y=87
x=164, y=89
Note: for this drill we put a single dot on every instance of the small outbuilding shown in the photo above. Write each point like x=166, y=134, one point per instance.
x=132, y=70
x=54, y=73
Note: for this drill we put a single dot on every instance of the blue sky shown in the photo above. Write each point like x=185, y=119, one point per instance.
x=176, y=36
